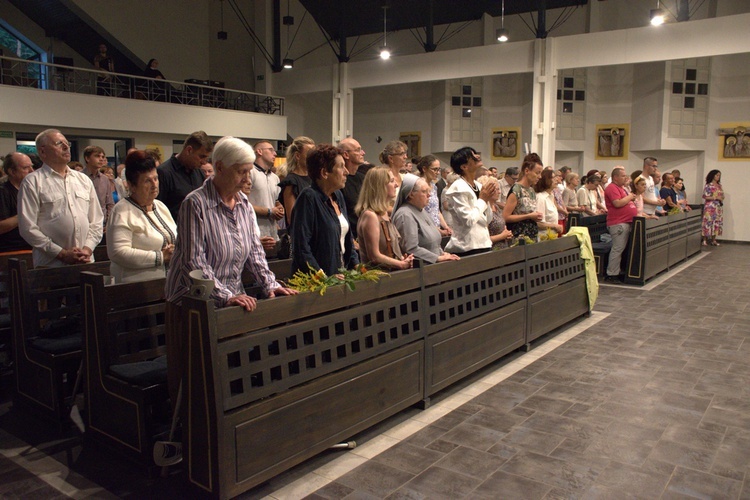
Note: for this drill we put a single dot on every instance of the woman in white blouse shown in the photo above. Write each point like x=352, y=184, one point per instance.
x=140, y=230
x=545, y=202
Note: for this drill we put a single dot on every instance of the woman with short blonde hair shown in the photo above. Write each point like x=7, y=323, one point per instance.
x=394, y=156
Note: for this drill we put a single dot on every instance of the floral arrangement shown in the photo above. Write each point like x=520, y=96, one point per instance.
x=315, y=280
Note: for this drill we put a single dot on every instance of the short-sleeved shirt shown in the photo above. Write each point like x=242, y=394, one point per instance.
x=264, y=193
x=57, y=211
x=649, y=195
x=622, y=215
x=11, y=240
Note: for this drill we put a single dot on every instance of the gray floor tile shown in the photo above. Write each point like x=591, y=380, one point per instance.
x=437, y=482
x=471, y=462
x=555, y=472
x=409, y=458
x=505, y=485
x=375, y=478
x=696, y=484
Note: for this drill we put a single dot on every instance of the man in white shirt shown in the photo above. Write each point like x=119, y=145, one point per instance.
x=510, y=178
x=59, y=213
x=264, y=192
x=650, y=200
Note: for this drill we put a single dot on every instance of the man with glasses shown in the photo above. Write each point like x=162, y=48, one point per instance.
x=58, y=211
x=506, y=183
x=651, y=200
x=182, y=173
x=264, y=192
x=354, y=161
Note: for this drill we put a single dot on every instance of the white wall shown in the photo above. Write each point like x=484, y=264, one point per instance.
x=45, y=108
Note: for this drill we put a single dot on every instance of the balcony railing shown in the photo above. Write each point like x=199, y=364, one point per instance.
x=34, y=74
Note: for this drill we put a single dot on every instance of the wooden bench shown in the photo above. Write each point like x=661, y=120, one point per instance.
x=597, y=226
x=6, y=330
x=268, y=389
x=657, y=245
x=281, y=268
x=47, y=334
x=125, y=363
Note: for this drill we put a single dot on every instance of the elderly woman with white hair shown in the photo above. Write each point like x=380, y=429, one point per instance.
x=218, y=233
x=420, y=236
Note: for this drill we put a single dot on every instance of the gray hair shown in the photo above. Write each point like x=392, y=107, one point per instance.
x=43, y=135
x=232, y=151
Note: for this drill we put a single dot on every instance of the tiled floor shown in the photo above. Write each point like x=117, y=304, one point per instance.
x=650, y=398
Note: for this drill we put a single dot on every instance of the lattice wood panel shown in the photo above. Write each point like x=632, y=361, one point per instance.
x=555, y=269
x=460, y=300
x=295, y=353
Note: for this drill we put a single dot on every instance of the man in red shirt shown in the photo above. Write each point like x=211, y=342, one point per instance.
x=620, y=212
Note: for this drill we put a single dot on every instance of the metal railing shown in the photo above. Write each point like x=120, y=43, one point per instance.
x=34, y=74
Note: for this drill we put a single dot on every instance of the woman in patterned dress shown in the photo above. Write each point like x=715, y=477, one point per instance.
x=520, y=212
x=713, y=210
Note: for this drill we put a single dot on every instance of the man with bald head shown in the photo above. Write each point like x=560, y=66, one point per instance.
x=264, y=192
x=58, y=211
x=16, y=167
x=354, y=161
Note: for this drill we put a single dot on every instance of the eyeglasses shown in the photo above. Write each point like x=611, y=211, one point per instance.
x=403, y=153
x=267, y=149
x=60, y=144
x=436, y=169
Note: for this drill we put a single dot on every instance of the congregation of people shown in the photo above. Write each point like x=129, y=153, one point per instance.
x=225, y=208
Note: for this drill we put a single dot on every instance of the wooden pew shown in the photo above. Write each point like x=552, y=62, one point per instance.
x=281, y=268
x=5, y=323
x=266, y=390
x=597, y=226
x=46, y=359
x=476, y=313
x=694, y=224
x=125, y=362
x=658, y=245
x=556, y=281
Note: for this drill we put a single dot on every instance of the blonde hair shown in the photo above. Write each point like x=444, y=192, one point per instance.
x=391, y=148
x=374, y=194
x=296, y=147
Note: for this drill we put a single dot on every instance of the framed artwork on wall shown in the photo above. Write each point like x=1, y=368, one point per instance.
x=734, y=141
x=413, y=141
x=612, y=141
x=506, y=143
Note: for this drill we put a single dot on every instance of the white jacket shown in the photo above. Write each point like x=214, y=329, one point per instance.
x=469, y=217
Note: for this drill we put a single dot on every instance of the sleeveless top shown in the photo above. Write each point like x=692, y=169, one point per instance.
x=388, y=241
x=526, y=205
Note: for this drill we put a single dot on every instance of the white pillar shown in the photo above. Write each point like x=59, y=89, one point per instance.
x=342, y=104
x=544, y=100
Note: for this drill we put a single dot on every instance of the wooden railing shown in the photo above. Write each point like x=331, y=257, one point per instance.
x=268, y=389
